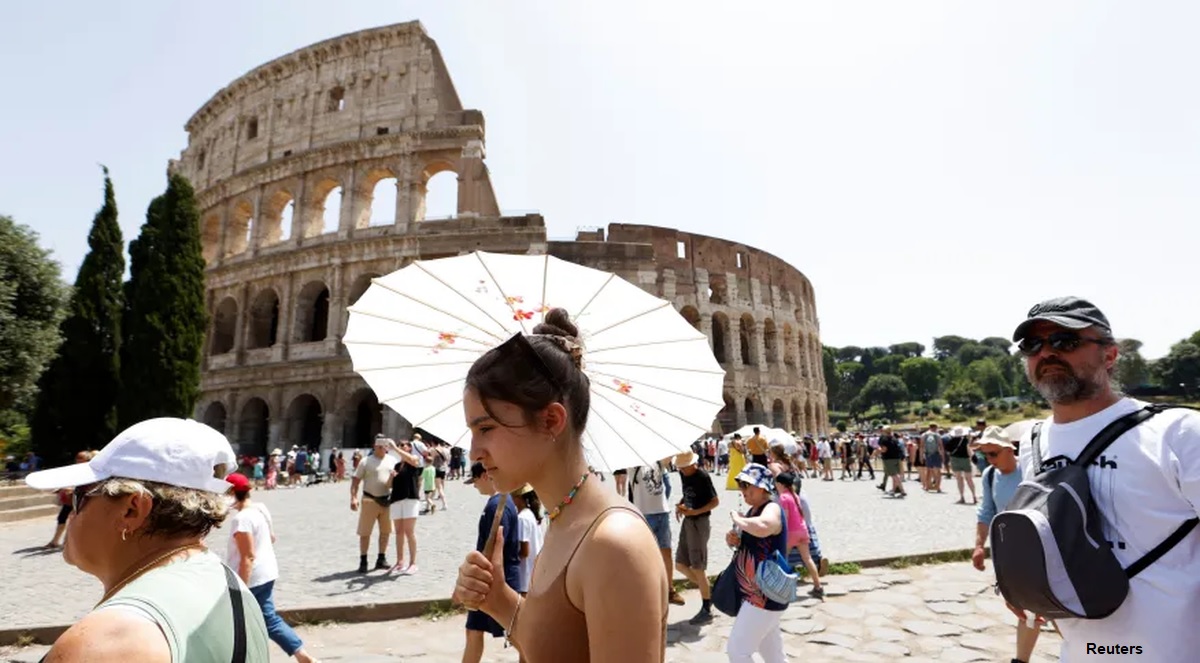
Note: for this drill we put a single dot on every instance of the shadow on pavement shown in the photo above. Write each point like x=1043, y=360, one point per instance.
x=37, y=551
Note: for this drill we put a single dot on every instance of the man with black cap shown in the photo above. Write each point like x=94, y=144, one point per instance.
x=1146, y=484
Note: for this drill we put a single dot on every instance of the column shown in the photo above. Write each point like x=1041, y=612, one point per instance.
x=351, y=203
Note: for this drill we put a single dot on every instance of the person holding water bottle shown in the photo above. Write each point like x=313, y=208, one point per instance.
x=756, y=536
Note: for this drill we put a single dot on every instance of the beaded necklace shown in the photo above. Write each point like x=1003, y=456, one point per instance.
x=570, y=496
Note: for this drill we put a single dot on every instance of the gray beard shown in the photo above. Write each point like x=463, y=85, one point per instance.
x=1066, y=388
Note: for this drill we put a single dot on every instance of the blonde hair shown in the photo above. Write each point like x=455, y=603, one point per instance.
x=176, y=511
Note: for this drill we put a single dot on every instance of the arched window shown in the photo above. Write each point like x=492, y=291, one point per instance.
x=720, y=330
x=770, y=344
x=748, y=345
x=214, y=416
x=304, y=421
x=224, y=326
x=254, y=428
x=312, y=313
x=264, y=320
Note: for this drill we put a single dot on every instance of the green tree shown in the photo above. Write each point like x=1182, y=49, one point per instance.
x=909, y=349
x=972, y=352
x=849, y=353
x=945, y=347
x=164, y=323
x=829, y=369
x=964, y=395
x=1194, y=339
x=31, y=305
x=987, y=374
x=885, y=390
x=1131, y=369
x=77, y=396
x=921, y=375
x=1179, y=371
x=1002, y=344
x=889, y=364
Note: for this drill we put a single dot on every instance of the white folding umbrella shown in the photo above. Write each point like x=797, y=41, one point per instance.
x=655, y=385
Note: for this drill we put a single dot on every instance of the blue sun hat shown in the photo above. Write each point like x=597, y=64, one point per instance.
x=757, y=475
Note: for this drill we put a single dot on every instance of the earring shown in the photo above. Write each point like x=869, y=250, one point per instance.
x=124, y=534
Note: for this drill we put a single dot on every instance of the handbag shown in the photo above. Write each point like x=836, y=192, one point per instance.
x=774, y=580
x=724, y=593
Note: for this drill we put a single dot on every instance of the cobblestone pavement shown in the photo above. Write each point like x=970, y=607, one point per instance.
x=318, y=548
x=942, y=612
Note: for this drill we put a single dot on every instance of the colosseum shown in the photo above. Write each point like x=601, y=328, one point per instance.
x=287, y=162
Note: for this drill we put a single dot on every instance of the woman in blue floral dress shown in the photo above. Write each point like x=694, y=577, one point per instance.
x=757, y=535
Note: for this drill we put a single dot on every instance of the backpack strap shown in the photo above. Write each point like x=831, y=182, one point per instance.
x=1034, y=438
x=989, y=477
x=239, y=617
x=1114, y=430
x=1162, y=548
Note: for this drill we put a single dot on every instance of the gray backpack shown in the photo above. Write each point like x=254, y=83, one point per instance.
x=1048, y=549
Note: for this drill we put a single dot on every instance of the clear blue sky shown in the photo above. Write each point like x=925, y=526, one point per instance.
x=933, y=167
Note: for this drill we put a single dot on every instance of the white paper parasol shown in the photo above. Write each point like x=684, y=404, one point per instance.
x=655, y=385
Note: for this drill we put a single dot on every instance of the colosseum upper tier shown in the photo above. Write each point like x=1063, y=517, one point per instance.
x=287, y=162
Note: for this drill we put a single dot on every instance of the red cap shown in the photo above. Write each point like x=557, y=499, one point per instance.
x=238, y=481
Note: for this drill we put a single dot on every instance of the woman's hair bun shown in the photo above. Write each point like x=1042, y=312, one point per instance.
x=557, y=323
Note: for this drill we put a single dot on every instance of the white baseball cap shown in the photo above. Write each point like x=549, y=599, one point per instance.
x=176, y=452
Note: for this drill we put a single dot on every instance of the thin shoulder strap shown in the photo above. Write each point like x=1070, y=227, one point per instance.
x=1034, y=439
x=1162, y=548
x=239, y=617
x=599, y=517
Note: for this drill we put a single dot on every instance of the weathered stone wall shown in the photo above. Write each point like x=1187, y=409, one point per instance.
x=345, y=114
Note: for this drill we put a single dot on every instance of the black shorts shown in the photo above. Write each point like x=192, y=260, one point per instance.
x=761, y=459
x=439, y=473
x=480, y=621
x=63, y=514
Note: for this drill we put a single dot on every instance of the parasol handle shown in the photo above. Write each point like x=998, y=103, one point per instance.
x=490, y=545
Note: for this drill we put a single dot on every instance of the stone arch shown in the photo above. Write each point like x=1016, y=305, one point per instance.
x=718, y=289
x=720, y=334
x=749, y=347
x=241, y=222
x=224, y=326
x=362, y=420
x=323, y=209
x=778, y=414
x=377, y=203
x=433, y=181
x=692, y=316
x=254, y=428
x=263, y=331
x=727, y=417
x=215, y=416
x=797, y=417
x=789, y=347
x=304, y=421
x=312, y=313
x=770, y=342
x=210, y=237
x=276, y=220
x=754, y=411
x=360, y=285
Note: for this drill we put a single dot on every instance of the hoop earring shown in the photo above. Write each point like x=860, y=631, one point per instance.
x=124, y=534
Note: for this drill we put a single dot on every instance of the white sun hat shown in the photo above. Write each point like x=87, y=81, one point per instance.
x=176, y=452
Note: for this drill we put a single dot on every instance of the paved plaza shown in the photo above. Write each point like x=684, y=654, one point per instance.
x=318, y=548
x=943, y=612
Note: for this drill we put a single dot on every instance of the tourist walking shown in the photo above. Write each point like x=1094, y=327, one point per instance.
x=405, y=498
x=527, y=403
x=273, y=469
x=933, y=452
x=958, y=450
x=374, y=475
x=251, y=553
x=340, y=466
x=65, y=499
x=1146, y=485
x=756, y=446
x=1000, y=481
x=825, y=455
x=865, y=453
x=646, y=488
x=143, y=507
x=757, y=535
x=531, y=535
x=695, y=510
x=441, y=461
x=892, y=451
x=508, y=555
x=797, y=529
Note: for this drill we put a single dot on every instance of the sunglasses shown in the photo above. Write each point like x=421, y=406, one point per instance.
x=1063, y=341
x=80, y=495
x=520, y=345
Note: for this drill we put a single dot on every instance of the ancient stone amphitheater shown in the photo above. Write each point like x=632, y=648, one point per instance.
x=287, y=162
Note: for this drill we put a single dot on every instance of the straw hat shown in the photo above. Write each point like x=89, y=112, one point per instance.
x=685, y=459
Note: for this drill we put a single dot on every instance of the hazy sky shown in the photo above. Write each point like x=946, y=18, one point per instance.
x=933, y=167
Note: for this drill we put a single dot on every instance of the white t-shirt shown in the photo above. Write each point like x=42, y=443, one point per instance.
x=256, y=520
x=823, y=450
x=722, y=447
x=531, y=533
x=649, y=494
x=1145, y=485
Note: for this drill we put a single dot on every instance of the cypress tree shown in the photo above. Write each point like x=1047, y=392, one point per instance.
x=165, y=319
x=77, y=399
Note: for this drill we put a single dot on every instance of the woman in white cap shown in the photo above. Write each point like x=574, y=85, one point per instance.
x=757, y=535
x=142, y=509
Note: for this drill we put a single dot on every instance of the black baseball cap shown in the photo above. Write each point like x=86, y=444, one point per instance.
x=1069, y=312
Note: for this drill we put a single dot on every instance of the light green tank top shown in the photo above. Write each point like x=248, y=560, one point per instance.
x=189, y=600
